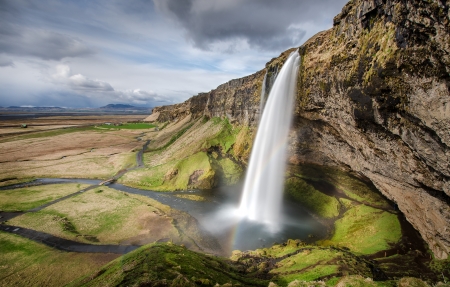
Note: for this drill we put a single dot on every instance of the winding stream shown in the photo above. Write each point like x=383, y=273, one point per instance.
x=214, y=214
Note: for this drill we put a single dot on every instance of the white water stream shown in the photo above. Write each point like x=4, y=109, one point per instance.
x=263, y=188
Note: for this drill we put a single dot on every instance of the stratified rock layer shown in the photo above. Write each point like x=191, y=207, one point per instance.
x=373, y=97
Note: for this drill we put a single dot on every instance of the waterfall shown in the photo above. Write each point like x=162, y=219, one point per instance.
x=263, y=188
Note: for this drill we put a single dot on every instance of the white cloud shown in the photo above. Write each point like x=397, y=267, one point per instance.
x=79, y=82
x=87, y=87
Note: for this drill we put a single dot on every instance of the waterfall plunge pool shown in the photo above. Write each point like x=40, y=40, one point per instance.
x=218, y=215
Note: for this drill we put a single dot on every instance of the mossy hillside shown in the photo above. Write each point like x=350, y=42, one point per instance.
x=323, y=205
x=243, y=144
x=295, y=261
x=225, y=138
x=230, y=172
x=166, y=264
x=363, y=223
x=22, y=199
x=350, y=186
x=185, y=172
x=27, y=263
x=201, y=156
x=366, y=230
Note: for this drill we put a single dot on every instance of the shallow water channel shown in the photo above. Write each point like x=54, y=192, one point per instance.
x=217, y=214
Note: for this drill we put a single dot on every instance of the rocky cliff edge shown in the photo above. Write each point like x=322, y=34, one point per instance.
x=374, y=98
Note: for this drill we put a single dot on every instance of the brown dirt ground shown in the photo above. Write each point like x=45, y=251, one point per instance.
x=84, y=154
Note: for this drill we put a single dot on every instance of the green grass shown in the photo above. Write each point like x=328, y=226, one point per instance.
x=22, y=199
x=128, y=126
x=353, y=187
x=172, y=139
x=174, y=175
x=317, y=202
x=314, y=273
x=306, y=259
x=106, y=217
x=231, y=171
x=367, y=230
x=225, y=138
x=27, y=263
x=166, y=264
x=186, y=167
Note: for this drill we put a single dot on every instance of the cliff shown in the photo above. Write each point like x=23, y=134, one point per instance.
x=373, y=97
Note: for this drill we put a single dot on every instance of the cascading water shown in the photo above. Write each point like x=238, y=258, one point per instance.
x=262, y=194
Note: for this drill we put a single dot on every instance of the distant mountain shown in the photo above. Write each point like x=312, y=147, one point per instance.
x=111, y=108
x=126, y=107
x=33, y=109
x=118, y=106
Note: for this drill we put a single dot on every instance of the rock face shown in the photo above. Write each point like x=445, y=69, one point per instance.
x=373, y=97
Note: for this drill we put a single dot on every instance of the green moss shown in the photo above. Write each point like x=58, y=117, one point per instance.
x=306, y=259
x=165, y=264
x=314, y=273
x=231, y=171
x=243, y=143
x=187, y=167
x=225, y=138
x=367, y=230
x=353, y=187
x=319, y=203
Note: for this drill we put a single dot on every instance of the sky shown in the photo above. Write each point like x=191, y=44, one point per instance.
x=89, y=53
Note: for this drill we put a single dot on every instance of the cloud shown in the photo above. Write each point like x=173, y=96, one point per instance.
x=137, y=96
x=6, y=62
x=18, y=37
x=47, y=45
x=79, y=82
x=263, y=24
x=87, y=87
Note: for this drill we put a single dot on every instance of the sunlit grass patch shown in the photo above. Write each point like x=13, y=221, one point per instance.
x=21, y=199
x=106, y=217
x=367, y=230
x=27, y=263
x=314, y=273
x=306, y=259
x=194, y=171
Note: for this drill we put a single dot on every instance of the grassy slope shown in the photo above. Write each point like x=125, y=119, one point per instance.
x=367, y=230
x=26, y=263
x=166, y=264
x=319, y=203
x=182, y=150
